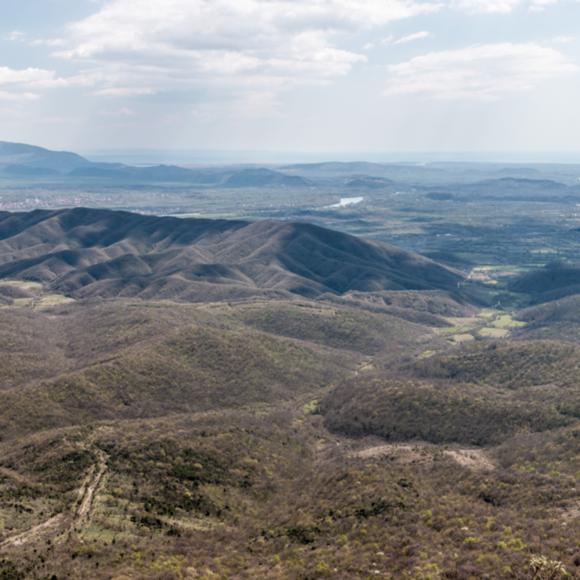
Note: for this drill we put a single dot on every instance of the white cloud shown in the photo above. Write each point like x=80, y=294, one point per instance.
x=25, y=84
x=393, y=41
x=125, y=92
x=28, y=76
x=203, y=41
x=16, y=36
x=183, y=25
x=540, y=5
x=480, y=72
x=50, y=42
x=486, y=6
x=500, y=6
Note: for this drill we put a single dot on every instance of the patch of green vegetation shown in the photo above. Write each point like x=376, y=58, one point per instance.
x=21, y=284
x=507, y=321
x=493, y=332
x=427, y=354
x=23, y=302
x=47, y=300
x=311, y=407
x=461, y=338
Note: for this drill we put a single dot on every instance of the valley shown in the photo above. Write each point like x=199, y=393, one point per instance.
x=270, y=387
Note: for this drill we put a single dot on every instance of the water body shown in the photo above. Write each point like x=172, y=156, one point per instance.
x=346, y=201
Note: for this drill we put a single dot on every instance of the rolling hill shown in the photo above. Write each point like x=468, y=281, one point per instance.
x=87, y=253
x=195, y=368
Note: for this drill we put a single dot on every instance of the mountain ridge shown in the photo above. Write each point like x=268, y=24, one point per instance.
x=84, y=252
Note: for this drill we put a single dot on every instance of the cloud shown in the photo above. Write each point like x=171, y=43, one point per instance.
x=49, y=42
x=28, y=76
x=244, y=51
x=486, y=6
x=540, y=5
x=500, y=6
x=15, y=36
x=125, y=92
x=190, y=42
x=478, y=72
x=16, y=97
x=190, y=25
x=23, y=83
x=393, y=41
x=26, y=84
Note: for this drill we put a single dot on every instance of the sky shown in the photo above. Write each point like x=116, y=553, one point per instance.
x=360, y=76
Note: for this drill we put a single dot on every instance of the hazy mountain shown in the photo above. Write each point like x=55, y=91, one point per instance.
x=510, y=188
x=18, y=160
x=155, y=173
x=32, y=159
x=340, y=167
x=260, y=177
x=366, y=182
x=87, y=252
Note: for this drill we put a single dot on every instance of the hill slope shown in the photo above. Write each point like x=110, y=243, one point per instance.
x=556, y=280
x=86, y=252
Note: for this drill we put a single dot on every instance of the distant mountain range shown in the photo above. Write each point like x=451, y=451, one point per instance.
x=87, y=252
x=20, y=161
x=28, y=161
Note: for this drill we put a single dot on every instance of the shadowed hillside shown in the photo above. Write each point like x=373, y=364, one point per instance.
x=554, y=281
x=84, y=252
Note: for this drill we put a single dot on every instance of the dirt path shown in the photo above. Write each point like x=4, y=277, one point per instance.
x=15, y=476
x=58, y=525
x=474, y=459
x=48, y=528
x=405, y=453
x=90, y=487
x=399, y=452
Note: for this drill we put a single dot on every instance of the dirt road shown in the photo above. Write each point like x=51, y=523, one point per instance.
x=59, y=524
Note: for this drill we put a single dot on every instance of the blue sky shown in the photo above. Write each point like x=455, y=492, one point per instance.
x=292, y=75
